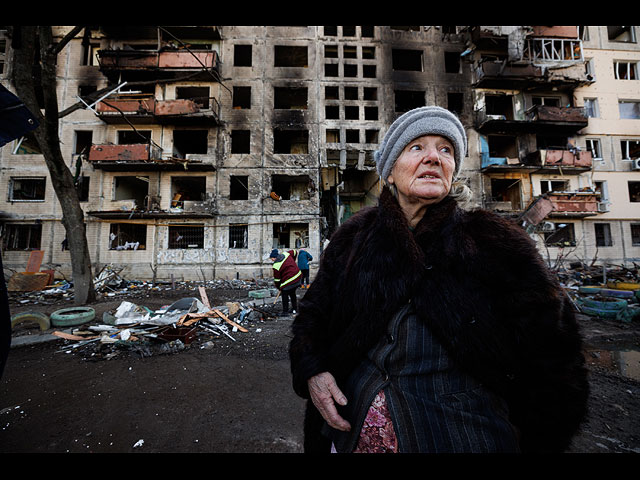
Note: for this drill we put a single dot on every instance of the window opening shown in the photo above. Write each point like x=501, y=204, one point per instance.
x=452, y=62
x=199, y=95
x=290, y=56
x=634, y=191
x=291, y=187
x=238, y=236
x=186, y=236
x=290, y=235
x=238, y=187
x=506, y=190
x=242, y=55
x=127, y=236
x=27, y=189
x=409, y=60
x=21, y=236
x=563, y=236
x=290, y=141
x=241, y=97
x=187, y=189
x=635, y=234
x=187, y=142
x=603, y=234
x=131, y=188
x=500, y=105
x=406, y=100
x=630, y=149
x=290, y=98
x=240, y=141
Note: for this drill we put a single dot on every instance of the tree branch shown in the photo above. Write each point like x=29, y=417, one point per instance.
x=57, y=47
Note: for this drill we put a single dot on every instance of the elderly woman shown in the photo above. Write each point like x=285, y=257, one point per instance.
x=430, y=328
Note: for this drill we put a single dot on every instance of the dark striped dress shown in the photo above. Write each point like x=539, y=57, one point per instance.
x=433, y=406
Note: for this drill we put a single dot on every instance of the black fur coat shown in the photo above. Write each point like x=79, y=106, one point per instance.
x=478, y=282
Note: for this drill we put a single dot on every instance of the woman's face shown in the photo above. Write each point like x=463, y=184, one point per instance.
x=423, y=172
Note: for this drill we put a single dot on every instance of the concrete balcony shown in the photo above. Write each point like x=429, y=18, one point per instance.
x=573, y=204
x=145, y=110
x=561, y=161
x=144, y=157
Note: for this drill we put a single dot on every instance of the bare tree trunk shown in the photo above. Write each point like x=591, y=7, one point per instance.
x=25, y=48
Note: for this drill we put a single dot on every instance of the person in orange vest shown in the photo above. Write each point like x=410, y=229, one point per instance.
x=287, y=277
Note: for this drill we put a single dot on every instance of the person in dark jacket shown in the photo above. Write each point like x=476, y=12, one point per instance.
x=286, y=276
x=304, y=258
x=431, y=328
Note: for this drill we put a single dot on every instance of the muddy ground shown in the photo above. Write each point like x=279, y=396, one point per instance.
x=220, y=395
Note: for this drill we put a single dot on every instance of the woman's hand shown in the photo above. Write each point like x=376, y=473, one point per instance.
x=324, y=392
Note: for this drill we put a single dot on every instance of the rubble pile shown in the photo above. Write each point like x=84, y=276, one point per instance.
x=138, y=329
x=604, y=291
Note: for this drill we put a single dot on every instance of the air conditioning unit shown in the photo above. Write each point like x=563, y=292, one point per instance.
x=603, y=207
x=636, y=164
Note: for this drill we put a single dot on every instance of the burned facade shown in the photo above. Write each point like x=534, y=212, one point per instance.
x=213, y=145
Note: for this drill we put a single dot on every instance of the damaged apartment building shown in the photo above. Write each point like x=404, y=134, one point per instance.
x=215, y=144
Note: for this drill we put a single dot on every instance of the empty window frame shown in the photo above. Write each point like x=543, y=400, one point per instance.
x=405, y=100
x=408, y=60
x=563, y=236
x=238, y=235
x=27, y=189
x=241, y=98
x=242, y=55
x=82, y=187
x=191, y=188
x=544, y=100
x=591, y=109
x=238, y=187
x=330, y=51
x=547, y=186
x=291, y=187
x=186, y=236
x=507, y=190
x=629, y=109
x=603, y=234
x=187, y=142
x=241, y=141
x=630, y=149
x=452, y=62
x=199, y=95
x=455, y=102
x=621, y=34
x=127, y=236
x=20, y=236
x=290, y=235
x=635, y=234
x=290, y=56
x=130, y=137
x=332, y=135
x=502, y=146
x=625, y=70
x=83, y=141
x=499, y=105
x=290, y=141
x=593, y=145
x=290, y=98
x=634, y=191
x=131, y=188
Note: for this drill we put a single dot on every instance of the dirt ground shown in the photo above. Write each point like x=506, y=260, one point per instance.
x=224, y=396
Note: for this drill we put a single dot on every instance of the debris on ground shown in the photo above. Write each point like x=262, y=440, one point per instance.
x=604, y=291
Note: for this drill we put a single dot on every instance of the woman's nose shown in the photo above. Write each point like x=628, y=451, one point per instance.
x=431, y=156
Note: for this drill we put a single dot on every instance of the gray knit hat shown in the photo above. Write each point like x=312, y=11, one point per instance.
x=415, y=123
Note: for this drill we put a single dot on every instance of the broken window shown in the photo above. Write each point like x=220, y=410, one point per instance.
x=369, y=71
x=366, y=31
x=290, y=235
x=18, y=236
x=241, y=97
x=352, y=112
x=242, y=55
x=368, y=53
x=330, y=31
x=371, y=136
x=634, y=191
x=186, y=236
x=187, y=142
x=506, y=190
x=291, y=187
x=621, y=34
x=131, y=137
x=128, y=236
x=330, y=51
x=331, y=70
x=290, y=56
x=635, y=234
x=187, y=189
x=238, y=236
x=625, y=70
x=499, y=106
x=563, y=236
x=548, y=101
x=333, y=136
x=603, y=234
x=240, y=141
x=82, y=187
x=290, y=98
x=290, y=141
x=349, y=51
x=332, y=112
x=199, y=95
x=591, y=107
x=629, y=109
x=370, y=93
x=371, y=113
x=131, y=188
x=502, y=146
x=406, y=100
x=552, y=142
x=349, y=31
x=553, y=186
x=331, y=93
x=593, y=145
x=455, y=102
x=27, y=189
x=350, y=70
x=351, y=93
x=238, y=187
x=630, y=149
x=83, y=140
x=409, y=60
x=352, y=136
x=452, y=62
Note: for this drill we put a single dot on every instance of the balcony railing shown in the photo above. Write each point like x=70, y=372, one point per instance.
x=574, y=204
x=131, y=153
x=157, y=60
x=126, y=107
x=538, y=50
x=546, y=113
